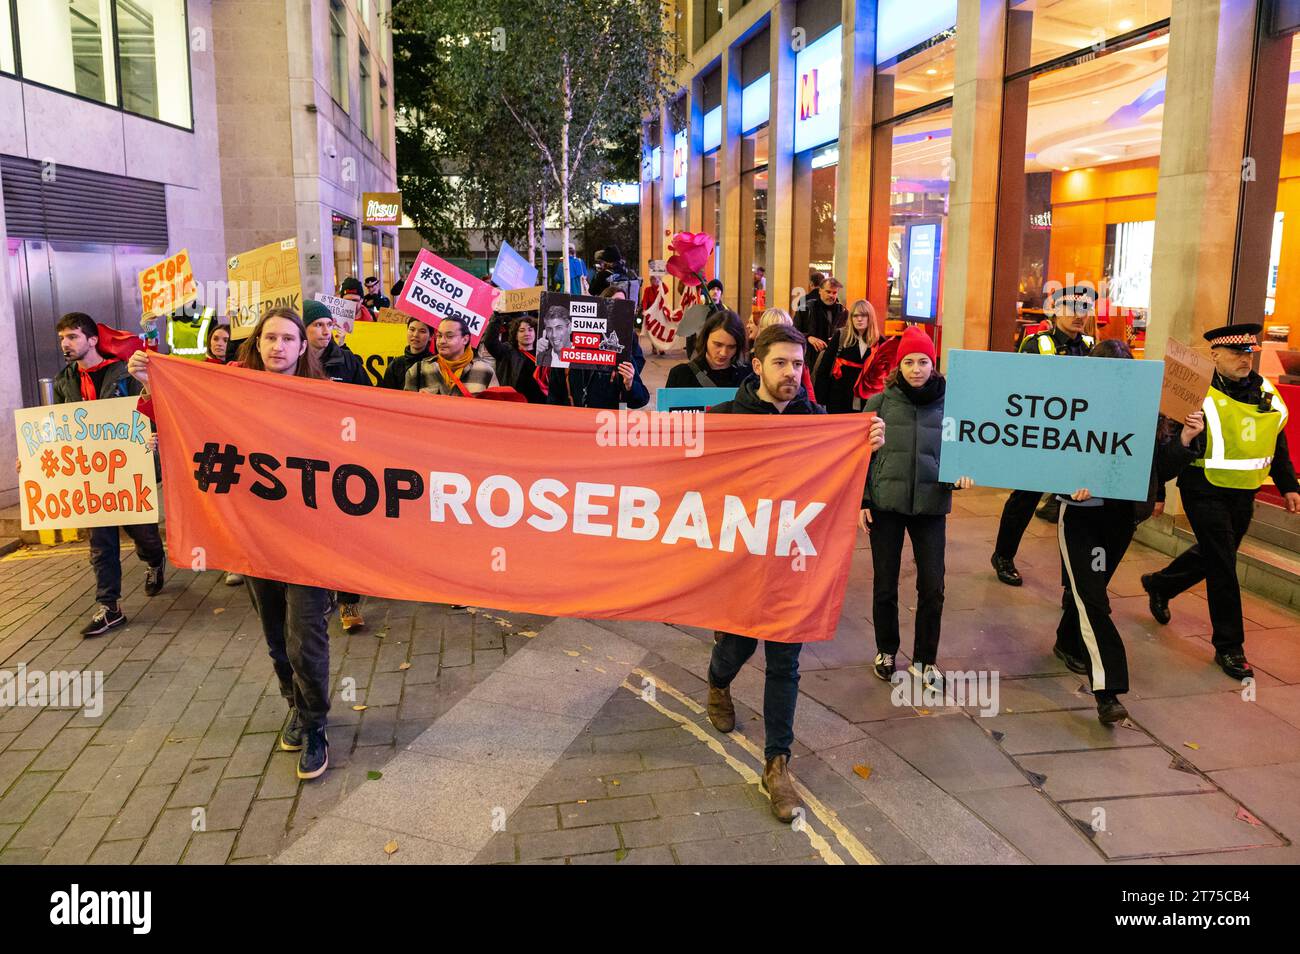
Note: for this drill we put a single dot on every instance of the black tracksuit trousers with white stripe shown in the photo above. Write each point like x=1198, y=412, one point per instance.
x=1093, y=540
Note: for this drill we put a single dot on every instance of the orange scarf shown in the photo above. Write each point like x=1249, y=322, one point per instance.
x=451, y=370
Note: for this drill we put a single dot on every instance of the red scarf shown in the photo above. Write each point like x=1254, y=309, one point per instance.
x=541, y=375
x=87, y=382
x=837, y=369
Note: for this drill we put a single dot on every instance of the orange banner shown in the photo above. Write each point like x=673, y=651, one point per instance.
x=740, y=523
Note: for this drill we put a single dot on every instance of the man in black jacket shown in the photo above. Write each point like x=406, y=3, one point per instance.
x=778, y=363
x=338, y=364
x=417, y=349
x=336, y=360
x=89, y=376
x=821, y=316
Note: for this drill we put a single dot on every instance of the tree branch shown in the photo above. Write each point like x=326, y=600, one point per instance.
x=535, y=136
x=595, y=111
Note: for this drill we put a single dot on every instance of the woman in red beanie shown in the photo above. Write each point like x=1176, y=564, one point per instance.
x=904, y=495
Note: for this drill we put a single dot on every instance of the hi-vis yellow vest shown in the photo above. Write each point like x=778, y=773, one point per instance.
x=1240, y=439
x=1047, y=344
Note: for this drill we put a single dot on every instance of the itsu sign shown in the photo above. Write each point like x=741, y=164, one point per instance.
x=381, y=208
x=435, y=290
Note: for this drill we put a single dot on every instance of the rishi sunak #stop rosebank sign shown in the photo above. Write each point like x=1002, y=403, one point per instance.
x=435, y=290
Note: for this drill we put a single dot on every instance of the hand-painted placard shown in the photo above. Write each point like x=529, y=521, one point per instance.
x=1051, y=424
x=344, y=311
x=259, y=280
x=519, y=299
x=168, y=285
x=1188, y=374
x=85, y=465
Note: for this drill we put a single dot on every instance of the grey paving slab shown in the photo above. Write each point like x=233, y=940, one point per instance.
x=951, y=751
x=1170, y=824
x=1107, y=773
x=1271, y=792
x=524, y=742
x=1058, y=732
x=1228, y=732
x=1034, y=825
x=342, y=841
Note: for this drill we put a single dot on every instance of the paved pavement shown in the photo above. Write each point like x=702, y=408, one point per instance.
x=494, y=737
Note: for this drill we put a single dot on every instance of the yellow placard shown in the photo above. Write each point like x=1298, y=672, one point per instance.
x=168, y=285
x=376, y=343
x=259, y=280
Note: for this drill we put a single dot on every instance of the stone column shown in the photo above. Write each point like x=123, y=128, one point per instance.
x=972, y=204
x=1198, y=198
x=853, y=186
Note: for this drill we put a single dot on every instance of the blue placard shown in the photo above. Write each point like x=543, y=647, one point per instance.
x=921, y=275
x=512, y=270
x=691, y=399
x=1056, y=424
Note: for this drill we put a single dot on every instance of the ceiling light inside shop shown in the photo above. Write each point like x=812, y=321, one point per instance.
x=1126, y=24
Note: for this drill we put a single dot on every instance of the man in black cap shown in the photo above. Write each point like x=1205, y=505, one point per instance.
x=1071, y=308
x=1244, y=443
x=609, y=261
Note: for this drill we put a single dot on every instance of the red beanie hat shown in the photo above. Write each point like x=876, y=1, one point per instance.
x=914, y=341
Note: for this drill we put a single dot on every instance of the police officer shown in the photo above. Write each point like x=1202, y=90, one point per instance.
x=1244, y=443
x=1072, y=307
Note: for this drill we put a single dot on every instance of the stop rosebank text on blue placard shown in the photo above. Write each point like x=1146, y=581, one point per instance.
x=1055, y=424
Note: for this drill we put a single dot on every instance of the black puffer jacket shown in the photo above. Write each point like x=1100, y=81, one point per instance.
x=904, y=474
x=340, y=364
x=514, y=368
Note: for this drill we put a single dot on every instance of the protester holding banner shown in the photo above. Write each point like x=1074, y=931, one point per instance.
x=775, y=389
x=333, y=360
x=516, y=365
x=90, y=376
x=842, y=364
x=1245, y=418
x=417, y=349
x=779, y=316
x=452, y=368
x=719, y=359
x=295, y=618
x=587, y=386
x=1093, y=535
x=904, y=495
x=1071, y=307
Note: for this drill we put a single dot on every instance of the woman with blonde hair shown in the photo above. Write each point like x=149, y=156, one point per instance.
x=847, y=353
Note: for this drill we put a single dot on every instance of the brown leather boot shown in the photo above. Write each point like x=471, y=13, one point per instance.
x=722, y=711
x=778, y=783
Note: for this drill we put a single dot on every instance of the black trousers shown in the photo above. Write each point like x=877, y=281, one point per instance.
x=295, y=622
x=928, y=533
x=1016, y=514
x=1093, y=541
x=1219, y=520
x=780, y=685
x=106, y=556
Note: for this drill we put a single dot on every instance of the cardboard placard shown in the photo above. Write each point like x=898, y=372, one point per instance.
x=259, y=280
x=579, y=331
x=1188, y=374
x=391, y=316
x=512, y=270
x=344, y=311
x=1055, y=424
x=435, y=290
x=377, y=343
x=381, y=208
x=168, y=285
x=519, y=299
x=85, y=465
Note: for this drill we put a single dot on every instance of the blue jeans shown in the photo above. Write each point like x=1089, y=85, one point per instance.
x=295, y=622
x=780, y=692
x=106, y=556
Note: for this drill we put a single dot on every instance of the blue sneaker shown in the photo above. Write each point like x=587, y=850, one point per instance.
x=315, y=758
x=291, y=737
